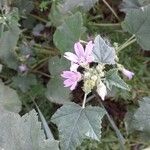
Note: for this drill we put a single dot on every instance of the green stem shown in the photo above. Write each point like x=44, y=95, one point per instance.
x=42, y=73
x=133, y=36
x=106, y=24
x=126, y=45
x=39, y=18
x=84, y=100
x=112, y=10
x=40, y=62
x=118, y=133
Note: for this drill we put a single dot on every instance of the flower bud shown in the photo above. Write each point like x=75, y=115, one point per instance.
x=101, y=90
x=23, y=68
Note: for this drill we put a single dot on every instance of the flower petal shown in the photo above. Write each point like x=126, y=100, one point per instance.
x=70, y=56
x=101, y=90
x=89, y=48
x=74, y=66
x=68, y=83
x=128, y=73
x=79, y=50
x=67, y=74
x=73, y=86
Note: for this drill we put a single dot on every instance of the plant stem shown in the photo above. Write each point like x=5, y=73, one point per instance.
x=106, y=24
x=84, y=100
x=84, y=42
x=112, y=10
x=39, y=18
x=40, y=62
x=118, y=133
x=42, y=73
x=126, y=45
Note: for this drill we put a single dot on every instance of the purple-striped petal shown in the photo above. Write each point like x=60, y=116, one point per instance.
x=70, y=56
x=79, y=50
x=89, y=48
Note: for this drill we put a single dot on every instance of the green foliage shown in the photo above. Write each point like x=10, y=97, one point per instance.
x=56, y=92
x=103, y=53
x=61, y=10
x=55, y=85
x=137, y=22
x=113, y=79
x=24, y=82
x=8, y=42
x=9, y=98
x=138, y=118
x=58, y=65
x=25, y=132
x=133, y=4
x=19, y=44
x=67, y=34
x=75, y=124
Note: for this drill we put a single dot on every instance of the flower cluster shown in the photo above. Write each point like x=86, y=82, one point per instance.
x=82, y=57
x=92, y=76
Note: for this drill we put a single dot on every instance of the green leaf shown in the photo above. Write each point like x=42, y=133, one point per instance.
x=133, y=4
x=75, y=124
x=70, y=5
x=9, y=98
x=137, y=22
x=24, y=82
x=24, y=6
x=56, y=92
x=23, y=133
x=55, y=16
x=69, y=33
x=62, y=9
x=8, y=42
x=113, y=79
x=139, y=119
x=130, y=4
x=55, y=85
x=57, y=65
x=103, y=53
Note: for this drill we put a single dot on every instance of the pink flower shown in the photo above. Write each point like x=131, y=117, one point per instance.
x=71, y=79
x=23, y=68
x=81, y=57
x=127, y=73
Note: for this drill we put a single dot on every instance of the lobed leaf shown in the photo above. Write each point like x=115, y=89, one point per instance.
x=113, y=79
x=103, y=53
x=9, y=98
x=23, y=133
x=75, y=124
x=137, y=22
x=8, y=42
x=139, y=118
x=24, y=82
x=56, y=92
x=56, y=65
x=69, y=33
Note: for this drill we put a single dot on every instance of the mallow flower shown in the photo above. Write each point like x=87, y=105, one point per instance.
x=23, y=68
x=127, y=73
x=82, y=57
x=71, y=79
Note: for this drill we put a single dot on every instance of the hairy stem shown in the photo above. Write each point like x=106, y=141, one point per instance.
x=126, y=45
x=84, y=100
x=105, y=24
